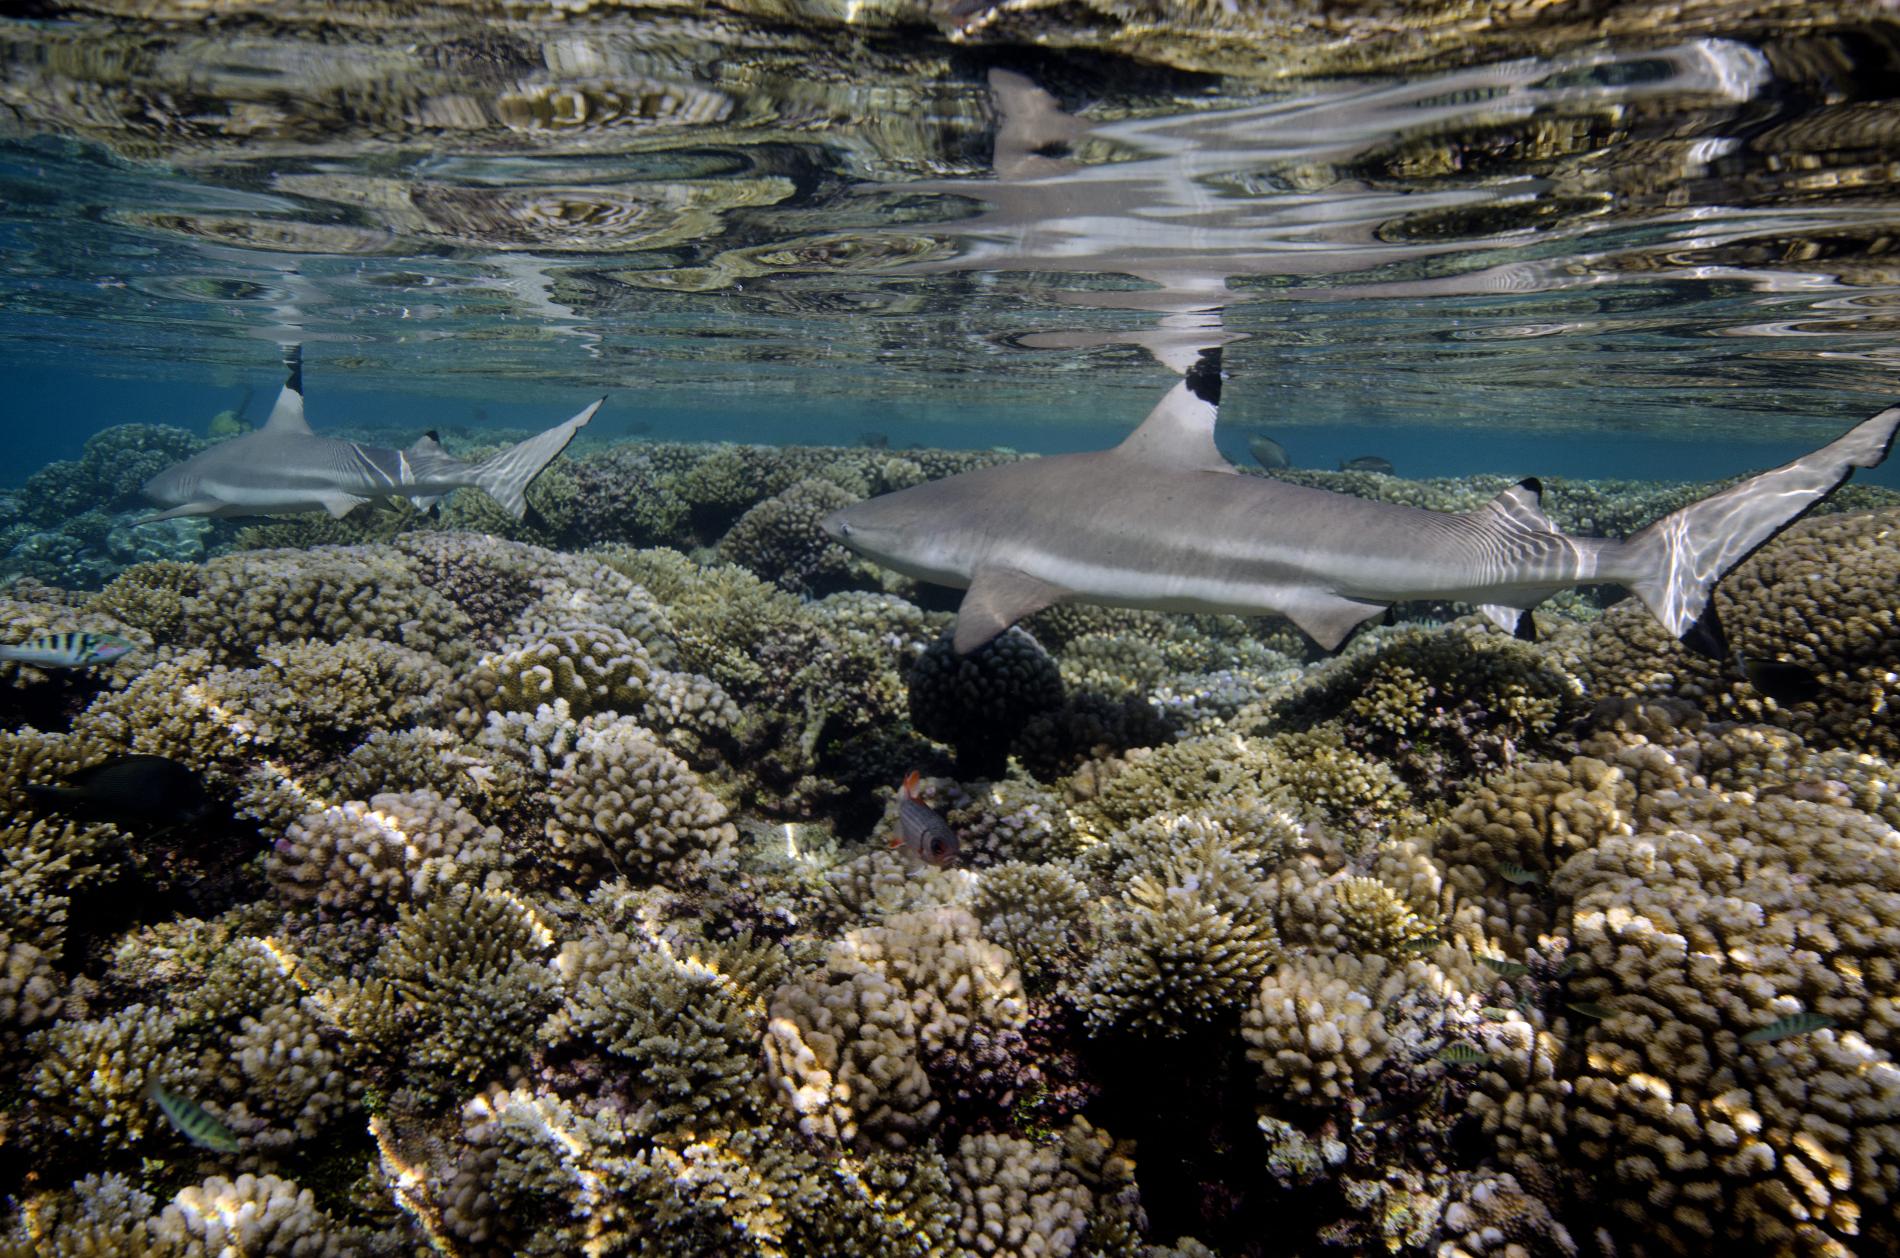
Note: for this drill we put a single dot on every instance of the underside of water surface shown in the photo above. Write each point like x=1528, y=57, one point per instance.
x=427, y=880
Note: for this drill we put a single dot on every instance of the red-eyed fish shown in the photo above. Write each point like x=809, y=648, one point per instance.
x=920, y=831
x=1164, y=522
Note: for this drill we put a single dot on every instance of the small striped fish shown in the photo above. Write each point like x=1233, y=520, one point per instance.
x=193, y=1120
x=71, y=649
x=1794, y=1024
x=920, y=831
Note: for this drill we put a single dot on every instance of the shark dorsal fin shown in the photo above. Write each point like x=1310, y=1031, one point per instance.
x=1522, y=505
x=1179, y=433
x=286, y=418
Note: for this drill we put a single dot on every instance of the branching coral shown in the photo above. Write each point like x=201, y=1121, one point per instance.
x=978, y=702
x=469, y=965
x=690, y=1031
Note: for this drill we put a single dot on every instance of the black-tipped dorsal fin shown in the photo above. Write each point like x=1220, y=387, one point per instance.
x=998, y=597
x=1179, y=433
x=1523, y=505
x=286, y=418
x=1033, y=135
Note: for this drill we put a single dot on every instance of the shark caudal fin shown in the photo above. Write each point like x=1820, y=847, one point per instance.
x=507, y=475
x=1673, y=564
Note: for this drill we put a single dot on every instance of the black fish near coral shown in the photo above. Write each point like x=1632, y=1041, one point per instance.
x=1780, y=680
x=137, y=789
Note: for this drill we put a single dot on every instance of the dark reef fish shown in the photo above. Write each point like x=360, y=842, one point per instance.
x=1367, y=463
x=1267, y=452
x=284, y=468
x=1780, y=680
x=71, y=649
x=920, y=831
x=136, y=789
x=1162, y=521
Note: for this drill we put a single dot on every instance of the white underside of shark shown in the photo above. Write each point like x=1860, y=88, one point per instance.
x=1164, y=522
x=284, y=468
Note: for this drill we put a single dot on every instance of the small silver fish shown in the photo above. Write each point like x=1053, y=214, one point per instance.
x=193, y=1120
x=71, y=649
x=920, y=831
x=1367, y=463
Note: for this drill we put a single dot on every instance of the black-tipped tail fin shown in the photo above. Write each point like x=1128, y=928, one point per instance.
x=507, y=475
x=1673, y=564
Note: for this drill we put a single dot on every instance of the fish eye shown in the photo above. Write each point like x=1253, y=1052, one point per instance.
x=936, y=847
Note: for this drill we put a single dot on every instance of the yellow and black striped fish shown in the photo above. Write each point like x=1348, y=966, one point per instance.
x=71, y=649
x=193, y=1120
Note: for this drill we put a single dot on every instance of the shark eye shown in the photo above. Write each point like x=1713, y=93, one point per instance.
x=844, y=528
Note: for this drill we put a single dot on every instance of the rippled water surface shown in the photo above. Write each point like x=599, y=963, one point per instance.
x=970, y=228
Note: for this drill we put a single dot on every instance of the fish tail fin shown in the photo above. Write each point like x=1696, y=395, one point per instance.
x=507, y=475
x=912, y=781
x=1673, y=564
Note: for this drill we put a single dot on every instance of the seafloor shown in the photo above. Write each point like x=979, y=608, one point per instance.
x=547, y=907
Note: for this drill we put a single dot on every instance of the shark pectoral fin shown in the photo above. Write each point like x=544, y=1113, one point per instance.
x=340, y=505
x=427, y=503
x=998, y=598
x=1326, y=618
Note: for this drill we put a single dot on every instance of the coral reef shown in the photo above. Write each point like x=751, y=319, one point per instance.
x=557, y=912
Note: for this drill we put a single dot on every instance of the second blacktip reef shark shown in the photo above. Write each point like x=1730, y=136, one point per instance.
x=1163, y=521
x=283, y=468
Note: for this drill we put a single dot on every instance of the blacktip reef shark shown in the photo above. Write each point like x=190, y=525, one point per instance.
x=284, y=468
x=1164, y=521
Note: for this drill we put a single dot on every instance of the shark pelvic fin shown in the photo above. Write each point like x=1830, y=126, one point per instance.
x=340, y=504
x=1327, y=618
x=1179, y=433
x=997, y=598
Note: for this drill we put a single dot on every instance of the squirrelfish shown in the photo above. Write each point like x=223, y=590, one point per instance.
x=920, y=831
x=71, y=649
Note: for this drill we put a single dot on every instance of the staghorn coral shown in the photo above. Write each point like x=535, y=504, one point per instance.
x=100, y=1216
x=623, y=797
x=397, y=849
x=1189, y=939
x=690, y=1033
x=96, y=1072
x=469, y=965
x=1039, y=913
